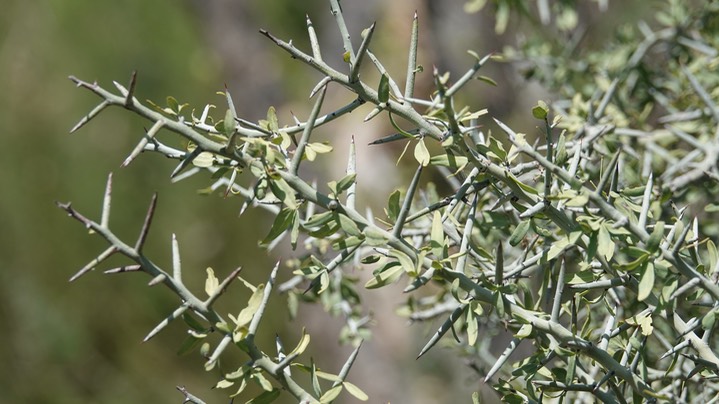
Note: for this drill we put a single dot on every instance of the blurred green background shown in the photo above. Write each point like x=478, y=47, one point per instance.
x=81, y=342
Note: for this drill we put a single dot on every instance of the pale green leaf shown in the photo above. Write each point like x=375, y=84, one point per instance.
x=387, y=275
x=348, y=225
x=605, y=245
x=272, y=122
x=449, y=160
x=345, y=183
x=646, y=283
x=211, y=283
x=331, y=394
x=204, y=160
x=355, y=391
x=223, y=384
x=404, y=261
x=524, y=331
x=302, y=345
x=421, y=154
x=375, y=238
x=472, y=328
x=253, y=304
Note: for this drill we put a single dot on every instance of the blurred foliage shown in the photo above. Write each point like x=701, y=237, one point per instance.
x=76, y=341
x=60, y=342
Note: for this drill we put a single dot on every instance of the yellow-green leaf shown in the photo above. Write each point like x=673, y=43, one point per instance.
x=404, y=261
x=204, y=160
x=541, y=110
x=645, y=323
x=331, y=394
x=390, y=273
x=211, y=283
x=253, y=304
x=272, y=122
x=524, y=331
x=302, y=345
x=421, y=154
x=313, y=149
x=223, y=384
x=355, y=391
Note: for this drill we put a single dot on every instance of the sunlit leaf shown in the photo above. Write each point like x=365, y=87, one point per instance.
x=302, y=344
x=421, y=154
x=385, y=276
x=541, y=110
x=246, y=314
x=355, y=391
x=204, y=160
x=404, y=261
x=331, y=394
x=211, y=283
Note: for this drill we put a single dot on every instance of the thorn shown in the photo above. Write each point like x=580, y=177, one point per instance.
x=106, y=203
x=92, y=264
x=189, y=157
x=90, y=115
x=146, y=225
x=122, y=269
x=223, y=286
x=157, y=280
x=131, y=91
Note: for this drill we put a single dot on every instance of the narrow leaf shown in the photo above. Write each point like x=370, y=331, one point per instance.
x=282, y=222
x=647, y=283
x=519, y=232
x=355, y=391
x=383, y=89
